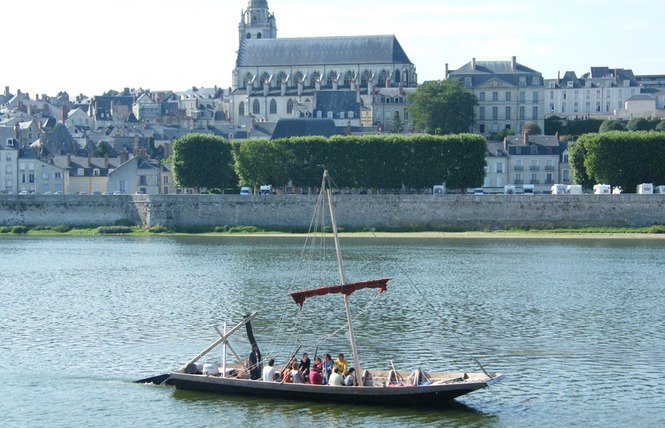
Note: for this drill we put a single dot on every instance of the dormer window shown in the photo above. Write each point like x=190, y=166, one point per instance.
x=80, y=172
x=95, y=172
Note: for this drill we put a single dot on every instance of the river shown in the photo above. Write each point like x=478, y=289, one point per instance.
x=575, y=324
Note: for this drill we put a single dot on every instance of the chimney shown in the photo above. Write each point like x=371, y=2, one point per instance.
x=445, y=72
x=513, y=63
x=473, y=63
x=89, y=161
x=400, y=89
x=124, y=155
x=525, y=137
x=69, y=159
x=106, y=160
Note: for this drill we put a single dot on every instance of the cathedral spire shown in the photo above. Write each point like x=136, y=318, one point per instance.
x=256, y=22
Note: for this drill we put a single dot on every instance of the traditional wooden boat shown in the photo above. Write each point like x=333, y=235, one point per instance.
x=384, y=387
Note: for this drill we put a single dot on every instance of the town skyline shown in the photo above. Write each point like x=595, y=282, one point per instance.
x=175, y=45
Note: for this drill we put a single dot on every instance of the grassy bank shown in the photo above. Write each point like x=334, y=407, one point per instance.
x=126, y=229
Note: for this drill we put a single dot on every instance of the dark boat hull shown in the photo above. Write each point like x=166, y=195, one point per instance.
x=392, y=396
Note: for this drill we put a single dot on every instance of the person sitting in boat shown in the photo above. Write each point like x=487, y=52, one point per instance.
x=296, y=374
x=268, y=374
x=254, y=363
x=305, y=364
x=342, y=364
x=350, y=379
x=315, y=377
x=336, y=378
x=327, y=367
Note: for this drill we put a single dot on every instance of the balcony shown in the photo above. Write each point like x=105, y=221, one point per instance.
x=518, y=168
x=534, y=168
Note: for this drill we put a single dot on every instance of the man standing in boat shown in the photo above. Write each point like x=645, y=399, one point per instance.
x=254, y=363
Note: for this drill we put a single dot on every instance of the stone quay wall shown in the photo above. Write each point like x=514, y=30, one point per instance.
x=482, y=212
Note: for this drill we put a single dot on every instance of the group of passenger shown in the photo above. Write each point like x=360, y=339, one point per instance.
x=318, y=372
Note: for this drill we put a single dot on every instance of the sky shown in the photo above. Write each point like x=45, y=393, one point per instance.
x=91, y=46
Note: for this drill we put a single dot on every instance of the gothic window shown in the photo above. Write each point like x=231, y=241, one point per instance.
x=258, y=36
x=364, y=78
x=405, y=78
x=398, y=77
x=348, y=77
x=273, y=107
x=289, y=106
x=383, y=76
x=315, y=78
x=248, y=36
x=248, y=79
x=265, y=77
x=299, y=77
x=281, y=77
x=241, y=109
x=331, y=78
x=256, y=107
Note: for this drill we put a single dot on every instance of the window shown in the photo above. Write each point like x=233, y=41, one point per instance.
x=481, y=113
x=508, y=95
x=522, y=96
x=166, y=180
x=143, y=180
x=535, y=97
x=241, y=108
x=499, y=167
x=383, y=76
x=289, y=107
x=95, y=172
x=508, y=113
x=495, y=113
x=364, y=78
x=348, y=77
x=332, y=77
x=522, y=81
x=256, y=107
x=521, y=112
x=481, y=96
x=273, y=107
x=316, y=76
x=80, y=172
x=495, y=96
x=535, y=112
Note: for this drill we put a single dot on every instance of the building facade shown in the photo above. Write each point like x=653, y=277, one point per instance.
x=509, y=94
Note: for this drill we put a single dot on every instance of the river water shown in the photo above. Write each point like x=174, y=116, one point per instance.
x=575, y=324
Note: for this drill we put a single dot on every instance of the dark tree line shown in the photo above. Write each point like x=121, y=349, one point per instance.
x=618, y=158
x=373, y=162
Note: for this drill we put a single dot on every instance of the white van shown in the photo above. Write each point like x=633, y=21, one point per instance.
x=659, y=189
x=439, y=189
x=558, y=189
x=574, y=189
x=645, y=189
x=529, y=189
x=245, y=190
x=602, y=189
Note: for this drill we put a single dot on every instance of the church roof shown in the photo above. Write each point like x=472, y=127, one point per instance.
x=307, y=51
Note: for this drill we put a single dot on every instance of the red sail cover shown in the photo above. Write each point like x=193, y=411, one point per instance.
x=300, y=296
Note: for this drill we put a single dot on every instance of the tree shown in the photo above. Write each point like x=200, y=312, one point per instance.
x=442, y=106
x=201, y=160
x=611, y=125
x=639, y=124
x=101, y=150
x=532, y=128
x=576, y=156
x=111, y=93
x=396, y=125
x=661, y=126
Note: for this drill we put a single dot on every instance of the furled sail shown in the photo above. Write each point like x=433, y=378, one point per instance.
x=300, y=296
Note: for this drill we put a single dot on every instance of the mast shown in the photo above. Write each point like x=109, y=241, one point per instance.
x=354, y=351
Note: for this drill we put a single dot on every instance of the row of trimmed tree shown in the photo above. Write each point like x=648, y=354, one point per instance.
x=372, y=162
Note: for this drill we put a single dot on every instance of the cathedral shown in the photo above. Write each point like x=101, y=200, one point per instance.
x=357, y=81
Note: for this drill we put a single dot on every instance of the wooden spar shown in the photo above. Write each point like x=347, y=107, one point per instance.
x=227, y=344
x=220, y=340
x=342, y=278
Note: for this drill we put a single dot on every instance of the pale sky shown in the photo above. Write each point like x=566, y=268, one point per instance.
x=90, y=46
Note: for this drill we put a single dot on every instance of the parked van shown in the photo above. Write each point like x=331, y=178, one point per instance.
x=245, y=190
x=529, y=189
x=558, y=189
x=574, y=189
x=659, y=189
x=509, y=189
x=265, y=189
x=602, y=189
x=645, y=189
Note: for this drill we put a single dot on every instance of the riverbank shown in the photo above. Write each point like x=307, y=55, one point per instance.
x=652, y=232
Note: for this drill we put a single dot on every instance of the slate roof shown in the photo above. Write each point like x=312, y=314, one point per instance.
x=305, y=127
x=338, y=101
x=308, y=51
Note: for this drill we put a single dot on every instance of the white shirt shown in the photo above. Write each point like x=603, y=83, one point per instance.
x=268, y=374
x=335, y=379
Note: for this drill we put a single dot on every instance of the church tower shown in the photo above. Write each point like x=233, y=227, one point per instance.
x=257, y=22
